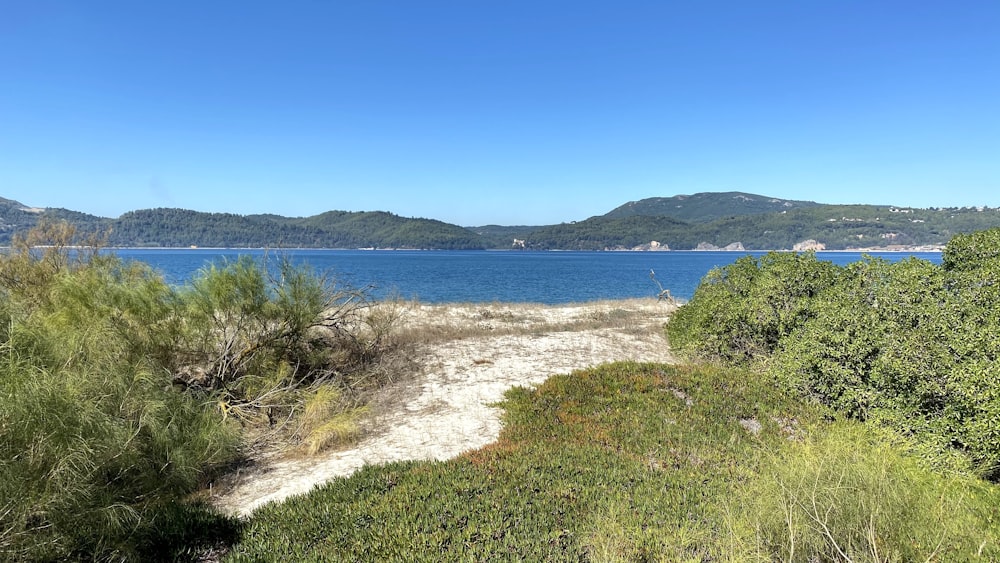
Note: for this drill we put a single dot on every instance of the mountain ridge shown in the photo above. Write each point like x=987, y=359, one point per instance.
x=704, y=220
x=704, y=207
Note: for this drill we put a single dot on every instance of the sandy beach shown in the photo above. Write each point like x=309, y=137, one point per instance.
x=463, y=360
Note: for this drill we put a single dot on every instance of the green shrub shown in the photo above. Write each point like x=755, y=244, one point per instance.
x=743, y=311
x=873, y=340
x=908, y=344
x=259, y=340
x=110, y=379
x=847, y=494
x=969, y=252
x=897, y=344
x=36, y=259
x=112, y=312
x=97, y=447
x=90, y=458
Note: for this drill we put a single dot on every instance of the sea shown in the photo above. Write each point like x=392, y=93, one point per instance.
x=478, y=276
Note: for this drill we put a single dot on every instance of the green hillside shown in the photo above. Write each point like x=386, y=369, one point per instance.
x=181, y=228
x=837, y=227
x=683, y=222
x=386, y=230
x=18, y=217
x=499, y=236
x=706, y=207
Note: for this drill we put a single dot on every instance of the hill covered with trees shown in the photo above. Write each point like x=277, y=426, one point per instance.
x=706, y=206
x=717, y=220
x=701, y=221
x=182, y=228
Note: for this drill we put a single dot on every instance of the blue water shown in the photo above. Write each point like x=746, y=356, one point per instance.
x=484, y=276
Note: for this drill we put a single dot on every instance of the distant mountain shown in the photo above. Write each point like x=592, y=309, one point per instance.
x=605, y=233
x=14, y=215
x=835, y=227
x=684, y=222
x=333, y=229
x=18, y=217
x=182, y=228
x=706, y=207
x=386, y=230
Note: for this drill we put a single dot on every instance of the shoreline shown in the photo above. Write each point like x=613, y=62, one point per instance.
x=923, y=249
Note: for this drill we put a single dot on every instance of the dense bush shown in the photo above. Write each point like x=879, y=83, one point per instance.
x=91, y=459
x=743, y=311
x=117, y=390
x=910, y=344
x=96, y=444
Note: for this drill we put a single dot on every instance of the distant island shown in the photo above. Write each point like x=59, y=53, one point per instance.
x=703, y=221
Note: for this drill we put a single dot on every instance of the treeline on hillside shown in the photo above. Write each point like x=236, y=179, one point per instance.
x=838, y=227
x=705, y=207
x=680, y=222
x=335, y=229
x=182, y=228
x=120, y=394
x=911, y=344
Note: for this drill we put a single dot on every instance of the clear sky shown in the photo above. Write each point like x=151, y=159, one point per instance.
x=495, y=111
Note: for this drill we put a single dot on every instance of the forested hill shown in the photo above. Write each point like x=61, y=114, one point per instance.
x=684, y=222
x=183, y=228
x=706, y=207
x=334, y=229
x=835, y=227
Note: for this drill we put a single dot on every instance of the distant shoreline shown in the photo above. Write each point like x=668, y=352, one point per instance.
x=893, y=249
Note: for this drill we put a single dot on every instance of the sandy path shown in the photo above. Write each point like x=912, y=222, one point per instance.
x=445, y=409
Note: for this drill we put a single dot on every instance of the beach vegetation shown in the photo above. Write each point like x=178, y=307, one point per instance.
x=825, y=413
x=644, y=462
x=120, y=395
x=910, y=345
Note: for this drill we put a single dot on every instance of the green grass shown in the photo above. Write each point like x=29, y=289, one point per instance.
x=849, y=493
x=631, y=462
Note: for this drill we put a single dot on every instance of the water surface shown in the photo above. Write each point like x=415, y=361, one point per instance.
x=439, y=276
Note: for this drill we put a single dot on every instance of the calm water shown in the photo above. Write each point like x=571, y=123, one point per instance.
x=484, y=276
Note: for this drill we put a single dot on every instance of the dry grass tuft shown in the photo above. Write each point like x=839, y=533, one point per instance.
x=431, y=324
x=327, y=422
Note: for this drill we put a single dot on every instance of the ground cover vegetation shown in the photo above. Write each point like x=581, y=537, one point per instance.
x=645, y=462
x=121, y=394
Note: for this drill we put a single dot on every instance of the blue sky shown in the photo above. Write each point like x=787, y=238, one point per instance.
x=509, y=112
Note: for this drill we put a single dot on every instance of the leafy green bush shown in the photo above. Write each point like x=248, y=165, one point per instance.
x=873, y=339
x=743, y=311
x=908, y=344
x=894, y=343
x=972, y=251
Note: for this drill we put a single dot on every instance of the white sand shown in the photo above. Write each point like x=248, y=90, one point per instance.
x=446, y=409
